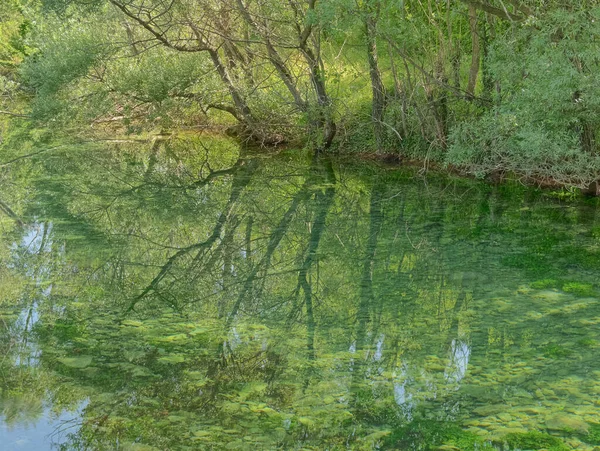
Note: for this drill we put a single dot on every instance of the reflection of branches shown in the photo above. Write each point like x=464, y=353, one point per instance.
x=47, y=149
x=280, y=230
x=236, y=284
x=324, y=201
x=366, y=294
x=64, y=426
x=274, y=241
x=9, y=212
x=238, y=186
x=32, y=154
x=205, y=263
x=366, y=281
x=215, y=174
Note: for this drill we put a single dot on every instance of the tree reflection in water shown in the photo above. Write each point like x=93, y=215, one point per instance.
x=194, y=295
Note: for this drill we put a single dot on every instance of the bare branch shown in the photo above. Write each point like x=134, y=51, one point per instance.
x=502, y=13
x=158, y=34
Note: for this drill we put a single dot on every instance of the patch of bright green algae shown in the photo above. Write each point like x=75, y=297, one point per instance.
x=580, y=289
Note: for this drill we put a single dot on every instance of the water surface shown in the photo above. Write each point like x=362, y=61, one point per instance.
x=191, y=295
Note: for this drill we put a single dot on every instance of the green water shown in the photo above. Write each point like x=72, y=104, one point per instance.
x=189, y=295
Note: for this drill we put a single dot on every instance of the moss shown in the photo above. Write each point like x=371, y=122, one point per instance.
x=534, y=440
x=581, y=289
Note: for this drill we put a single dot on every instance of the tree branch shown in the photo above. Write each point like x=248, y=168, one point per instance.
x=159, y=36
x=502, y=13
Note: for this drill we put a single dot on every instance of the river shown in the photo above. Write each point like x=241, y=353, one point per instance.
x=188, y=294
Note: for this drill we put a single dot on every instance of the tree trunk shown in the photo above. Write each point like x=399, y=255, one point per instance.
x=318, y=81
x=438, y=98
x=399, y=94
x=244, y=114
x=377, y=86
x=475, y=53
x=454, y=49
x=488, y=80
x=588, y=137
x=131, y=38
x=275, y=58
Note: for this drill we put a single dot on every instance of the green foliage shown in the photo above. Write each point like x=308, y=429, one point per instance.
x=67, y=52
x=159, y=75
x=138, y=65
x=14, y=30
x=548, y=105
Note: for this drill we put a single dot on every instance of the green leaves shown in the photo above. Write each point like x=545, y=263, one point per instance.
x=541, y=124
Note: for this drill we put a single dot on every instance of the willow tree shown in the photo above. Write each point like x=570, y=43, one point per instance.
x=289, y=39
x=257, y=51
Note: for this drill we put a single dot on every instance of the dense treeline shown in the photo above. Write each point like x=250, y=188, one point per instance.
x=489, y=86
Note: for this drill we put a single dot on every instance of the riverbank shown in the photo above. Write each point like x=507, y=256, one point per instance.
x=115, y=134
x=561, y=188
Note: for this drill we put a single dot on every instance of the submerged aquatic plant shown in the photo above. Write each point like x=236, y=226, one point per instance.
x=534, y=440
x=578, y=288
